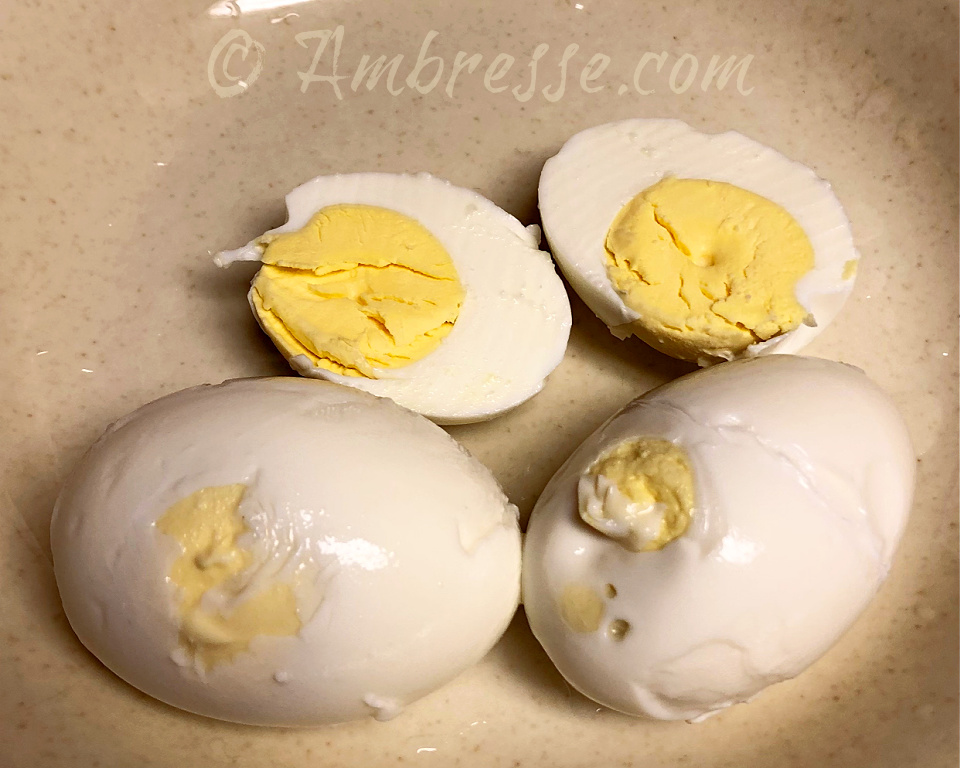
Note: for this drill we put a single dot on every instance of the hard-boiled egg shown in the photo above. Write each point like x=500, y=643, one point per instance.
x=284, y=552
x=718, y=534
x=410, y=288
x=707, y=247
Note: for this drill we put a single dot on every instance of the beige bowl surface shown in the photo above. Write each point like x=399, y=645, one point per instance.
x=138, y=139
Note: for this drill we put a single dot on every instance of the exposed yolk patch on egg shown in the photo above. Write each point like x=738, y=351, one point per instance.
x=711, y=268
x=641, y=493
x=581, y=608
x=359, y=288
x=207, y=526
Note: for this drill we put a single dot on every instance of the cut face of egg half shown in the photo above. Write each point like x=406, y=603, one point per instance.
x=718, y=534
x=706, y=247
x=284, y=552
x=410, y=288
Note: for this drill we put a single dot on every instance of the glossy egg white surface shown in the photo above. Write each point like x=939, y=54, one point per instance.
x=405, y=551
x=804, y=477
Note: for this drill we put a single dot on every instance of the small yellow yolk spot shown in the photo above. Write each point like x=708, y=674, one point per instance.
x=207, y=526
x=581, y=608
x=710, y=268
x=640, y=493
x=359, y=288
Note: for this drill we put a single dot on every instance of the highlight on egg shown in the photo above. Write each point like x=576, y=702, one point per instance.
x=408, y=287
x=718, y=534
x=284, y=552
x=706, y=247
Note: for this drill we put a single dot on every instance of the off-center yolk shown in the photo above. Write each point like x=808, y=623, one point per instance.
x=207, y=526
x=359, y=288
x=710, y=268
x=641, y=493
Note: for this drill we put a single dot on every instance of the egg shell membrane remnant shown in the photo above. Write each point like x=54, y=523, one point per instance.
x=402, y=552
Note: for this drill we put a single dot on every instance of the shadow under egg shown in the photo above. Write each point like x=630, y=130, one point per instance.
x=520, y=654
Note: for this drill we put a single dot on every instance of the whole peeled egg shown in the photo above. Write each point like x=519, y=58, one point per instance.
x=408, y=287
x=284, y=552
x=718, y=534
x=708, y=247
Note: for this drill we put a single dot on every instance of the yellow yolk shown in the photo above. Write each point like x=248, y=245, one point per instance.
x=207, y=526
x=710, y=268
x=358, y=288
x=581, y=608
x=641, y=493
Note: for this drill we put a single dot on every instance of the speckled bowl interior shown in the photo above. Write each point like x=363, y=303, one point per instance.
x=138, y=139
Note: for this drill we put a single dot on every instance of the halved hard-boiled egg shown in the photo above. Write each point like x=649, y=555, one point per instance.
x=408, y=287
x=718, y=534
x=284, y=552
x=707, y=247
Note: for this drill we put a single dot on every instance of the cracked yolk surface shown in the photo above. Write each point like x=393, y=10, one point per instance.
x=359, y=288
x=710, y=268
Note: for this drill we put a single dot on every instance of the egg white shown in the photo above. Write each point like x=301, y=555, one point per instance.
x=403, y=553
x=601, y=169
x=514, y=322
x=803, y=475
